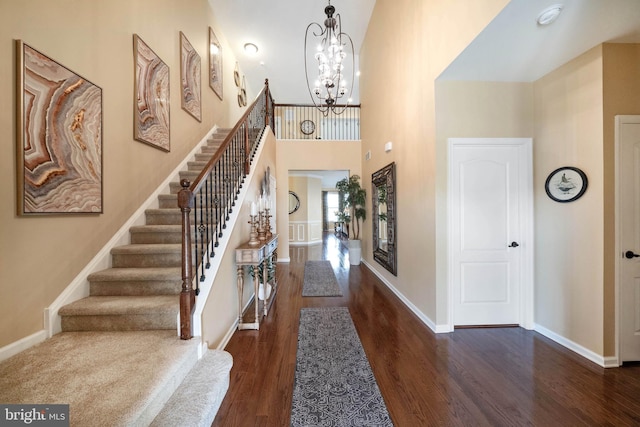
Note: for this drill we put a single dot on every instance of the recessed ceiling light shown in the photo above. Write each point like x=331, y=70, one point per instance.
x=550, y=14
x=250, y=48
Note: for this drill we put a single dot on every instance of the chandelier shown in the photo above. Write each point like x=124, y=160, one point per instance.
x=331, y=55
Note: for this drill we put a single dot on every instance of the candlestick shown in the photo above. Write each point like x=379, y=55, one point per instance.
x=253, y=235
x=261, y=229
x=267, y=224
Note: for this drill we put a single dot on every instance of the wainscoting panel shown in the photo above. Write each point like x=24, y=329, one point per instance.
x=305, y=232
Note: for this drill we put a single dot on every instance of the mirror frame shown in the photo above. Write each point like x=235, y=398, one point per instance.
x=385, y=176
x=291, y=193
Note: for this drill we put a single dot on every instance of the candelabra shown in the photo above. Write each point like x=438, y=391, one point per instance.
x=253, y=235
x=267, y=224
x=262, y=233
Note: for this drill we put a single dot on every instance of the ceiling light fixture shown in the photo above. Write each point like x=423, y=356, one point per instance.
x=550, y=14
x=331, y=55
x=250, y=48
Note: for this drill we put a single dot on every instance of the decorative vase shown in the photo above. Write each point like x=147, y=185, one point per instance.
x=355, y=252
x=262, y=295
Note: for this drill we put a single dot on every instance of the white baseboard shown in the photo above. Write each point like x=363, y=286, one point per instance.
x=423, y=318
x=286, y=260
x=306, y=243
x=79, y=287
x=605, y=362
x=16, y=347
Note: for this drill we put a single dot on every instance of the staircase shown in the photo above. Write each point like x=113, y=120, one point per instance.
x=140, y=291
x=126, y=333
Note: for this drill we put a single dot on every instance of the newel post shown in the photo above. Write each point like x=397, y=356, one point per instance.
x=267, y=96
x=247, y=147
x=187, y=295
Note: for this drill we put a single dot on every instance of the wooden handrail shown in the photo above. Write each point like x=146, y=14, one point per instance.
x=210, y=198
x=197, y=184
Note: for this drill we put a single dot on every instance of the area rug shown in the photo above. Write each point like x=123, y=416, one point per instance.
x=320, y=280
x=334, y=385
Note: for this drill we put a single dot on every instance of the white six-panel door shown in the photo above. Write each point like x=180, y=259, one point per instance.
x=490, y=231
x=628, y=207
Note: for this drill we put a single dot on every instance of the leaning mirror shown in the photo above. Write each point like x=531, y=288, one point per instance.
x=294, y=202
x=383, y=185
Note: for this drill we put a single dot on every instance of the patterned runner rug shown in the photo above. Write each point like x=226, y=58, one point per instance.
x=320, y=280
x=334, y=384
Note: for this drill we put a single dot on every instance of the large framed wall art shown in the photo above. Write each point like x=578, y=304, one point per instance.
x=151, y=97
x=59, y=137
x=190, y=78
x=215, y=64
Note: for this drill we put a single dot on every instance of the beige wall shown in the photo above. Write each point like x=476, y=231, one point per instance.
x=621, y=89
x=478, y=110
x=399, y=64
x=221, y=309
x=569, y=236
x=292, y=155
x=40, y=256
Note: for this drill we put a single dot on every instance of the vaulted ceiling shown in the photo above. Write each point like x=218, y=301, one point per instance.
x=513, y=47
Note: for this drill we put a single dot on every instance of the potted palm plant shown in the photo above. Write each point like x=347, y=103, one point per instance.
x=353, y=198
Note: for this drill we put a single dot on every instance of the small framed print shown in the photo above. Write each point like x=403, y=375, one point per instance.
x=566, y=184
x=151, y=97
x=190, y=78
x=215, y=64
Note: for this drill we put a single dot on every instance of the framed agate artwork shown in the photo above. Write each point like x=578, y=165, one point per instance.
x=59, y=137
x=215, y=64
x=190, y=78
x=151, y=107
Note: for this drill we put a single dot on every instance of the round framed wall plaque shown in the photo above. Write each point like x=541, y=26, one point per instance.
x=566, y=184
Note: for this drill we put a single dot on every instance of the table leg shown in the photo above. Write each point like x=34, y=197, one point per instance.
x=240, y=284
x=256, y=285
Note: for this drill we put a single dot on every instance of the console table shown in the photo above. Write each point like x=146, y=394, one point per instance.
x=256, y=259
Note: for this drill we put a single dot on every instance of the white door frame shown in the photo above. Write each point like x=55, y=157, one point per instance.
x=525, y=150
x=620, y=120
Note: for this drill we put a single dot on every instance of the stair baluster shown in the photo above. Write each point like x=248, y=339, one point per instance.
x=212, y=196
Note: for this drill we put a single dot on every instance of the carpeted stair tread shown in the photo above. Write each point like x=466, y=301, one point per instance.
x=170, y=216
x=107, y=378
x=197, y=400
x=168, y=198
x=196, y=165
x=136, y=281
x=157, y=233
x=190, y=175
x=136, y=274
x=147, y=255
x=122, y=305
x=151, y=248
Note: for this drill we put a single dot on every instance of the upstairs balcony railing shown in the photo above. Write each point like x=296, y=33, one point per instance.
x=207, y=202
x=293, y=121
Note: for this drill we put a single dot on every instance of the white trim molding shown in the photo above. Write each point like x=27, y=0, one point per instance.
x=605, y=362
x=423, y=317
x=17, y=346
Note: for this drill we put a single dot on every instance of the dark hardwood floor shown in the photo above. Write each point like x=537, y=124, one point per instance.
x=471, y=377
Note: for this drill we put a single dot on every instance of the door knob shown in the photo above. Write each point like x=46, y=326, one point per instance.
x=515, y=245
x=630, y=254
